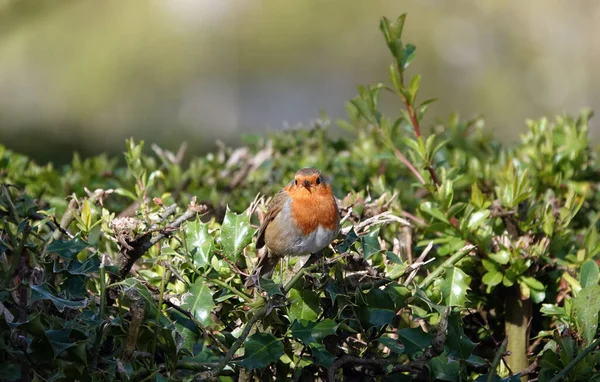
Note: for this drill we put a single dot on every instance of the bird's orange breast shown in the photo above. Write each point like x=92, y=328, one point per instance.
x=314, y=208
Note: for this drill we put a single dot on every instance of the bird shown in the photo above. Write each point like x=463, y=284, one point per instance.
x=303, y=218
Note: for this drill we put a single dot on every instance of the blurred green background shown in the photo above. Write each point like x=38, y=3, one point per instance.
x=84, y=75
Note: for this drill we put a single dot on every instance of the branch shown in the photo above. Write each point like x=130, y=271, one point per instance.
x=414, y=367
x=206, y=376
x=142, y=244
x=560, y=376
x=436, y=348
x=379, y=363
x=464, y=251
x=497, y=358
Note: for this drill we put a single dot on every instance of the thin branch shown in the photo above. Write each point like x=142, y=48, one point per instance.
x=418, y=264
x=407, y=163
x=245, y=297
x=378, y=363
x=436, y=348
x=209, y=375
x=497, y=358
x=464, y=251
x=531, y=369
x=189, y=315
x=260, y=314
x=560, y=376
x=414, y=367
x=142, y=244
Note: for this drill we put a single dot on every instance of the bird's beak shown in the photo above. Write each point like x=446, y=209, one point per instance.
x=306, y=184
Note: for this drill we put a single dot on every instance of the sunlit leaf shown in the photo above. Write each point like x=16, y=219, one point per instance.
x=236, y=233
x=428, y=208
x=585, y=309
x=199, y=302
x=454, y=287
x=309, y=331
x=305, y=305
x=198, y=242
x=370, y=243
x=589, y=273
x=477, y=219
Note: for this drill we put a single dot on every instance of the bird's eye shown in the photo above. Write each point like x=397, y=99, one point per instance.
x=295, y=182
x=319, y=180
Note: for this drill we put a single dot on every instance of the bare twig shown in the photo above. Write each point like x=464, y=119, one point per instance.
x=66, y=219
x=531, y=369
x=382, y=218
x=340, y=362
x=418, y=264
x=146, y=241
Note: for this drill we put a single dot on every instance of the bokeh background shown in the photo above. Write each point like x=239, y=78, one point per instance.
x=83, y=75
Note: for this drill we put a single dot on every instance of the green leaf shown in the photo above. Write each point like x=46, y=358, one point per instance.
x=413, y=88
x=60, y=340
x=501, y=257
x=321, y=355
x=350, y=239
x=75, y=267
x=428, y=208
x=408, y=55
x=478, y=218
x=236, y=234
x=41, y=292
x=261, y=349
x=477, y=197
x=199, y=242
x=454, y=287
x=305, y=305
x=589, y=274
x=537, y=289
x=457, y=342
x=67, y=249
x=392, y=344
x=370, y=243
x=395, y=77
x=585, y=309
x=443, y=369
x=309, y=331
x=199, y=302
x=415, y=340
x=86, y=214
x=10, y=372
x=492, y=278
x=379, y=308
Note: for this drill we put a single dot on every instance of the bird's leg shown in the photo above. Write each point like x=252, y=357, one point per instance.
x=322, y=261
x=281, y=275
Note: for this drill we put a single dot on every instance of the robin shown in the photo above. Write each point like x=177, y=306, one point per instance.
x=303, y=218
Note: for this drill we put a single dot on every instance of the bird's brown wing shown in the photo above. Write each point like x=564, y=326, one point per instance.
x=272, y=211
x=266, y=261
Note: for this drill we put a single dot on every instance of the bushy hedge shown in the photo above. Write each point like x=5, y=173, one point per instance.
x=459, y=259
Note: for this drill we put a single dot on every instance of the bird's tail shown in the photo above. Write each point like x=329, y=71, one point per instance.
x=264, y=268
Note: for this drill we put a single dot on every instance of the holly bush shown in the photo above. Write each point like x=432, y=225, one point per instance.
x=458, y=258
